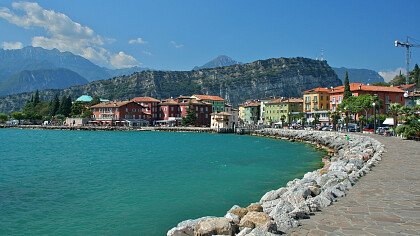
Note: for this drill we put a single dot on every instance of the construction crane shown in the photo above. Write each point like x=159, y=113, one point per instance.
x=407, y=44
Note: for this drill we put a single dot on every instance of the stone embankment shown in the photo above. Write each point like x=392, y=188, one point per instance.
x=280, y=210
x=115, y=128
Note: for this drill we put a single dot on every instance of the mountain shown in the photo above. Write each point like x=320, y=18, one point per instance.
x=26, y=81
x=359, y=75
x=219, y=61
x=17, y=64
x=125, y=71
x=287, y=77
x=36, y=58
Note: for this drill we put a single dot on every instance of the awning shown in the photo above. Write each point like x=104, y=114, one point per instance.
x=388, y=121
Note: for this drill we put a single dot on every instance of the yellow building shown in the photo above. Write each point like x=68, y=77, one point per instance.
x=316, y=102
x=317, y=99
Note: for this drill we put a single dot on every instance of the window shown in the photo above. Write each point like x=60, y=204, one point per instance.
x=207, y=116
x=333, y=100
x=307, y=98
x=172, y=108
x=339, y=99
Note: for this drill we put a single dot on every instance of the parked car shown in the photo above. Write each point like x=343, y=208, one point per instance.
x=369, y=128
x=382, y=130
x=353, y=128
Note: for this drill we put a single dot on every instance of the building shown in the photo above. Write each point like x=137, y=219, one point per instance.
x=150, y=107
x=316, y=103
x=264, y=101
x=249, y=113
x=125, y=113
x=234, y=112
x=281, y=109
x=411, y=94
x=169, y=112
x=76, y=121
x=385, y=94
x=222, y=122
x=218, y=103
x=172, y=111
x=202, y=111
x=88, y=99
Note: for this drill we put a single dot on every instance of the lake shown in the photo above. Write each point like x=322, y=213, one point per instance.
x=135, y=183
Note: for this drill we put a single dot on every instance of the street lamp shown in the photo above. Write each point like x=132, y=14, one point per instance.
x=374, y=117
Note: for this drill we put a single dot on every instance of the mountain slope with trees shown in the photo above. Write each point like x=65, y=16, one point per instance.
x=287, y=77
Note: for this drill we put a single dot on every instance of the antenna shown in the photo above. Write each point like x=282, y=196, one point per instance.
x=322, y=54
x=407, y=45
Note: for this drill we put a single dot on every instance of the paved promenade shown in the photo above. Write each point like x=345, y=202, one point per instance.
x=384, y=202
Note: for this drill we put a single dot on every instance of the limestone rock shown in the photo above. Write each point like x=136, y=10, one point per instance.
x=212, y=226
x=253, y=219
x=255, y=207
x=240, y=212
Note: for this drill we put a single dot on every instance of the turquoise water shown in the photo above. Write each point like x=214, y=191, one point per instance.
x=135, y=183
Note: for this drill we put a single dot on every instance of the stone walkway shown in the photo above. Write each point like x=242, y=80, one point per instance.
x=384, y=202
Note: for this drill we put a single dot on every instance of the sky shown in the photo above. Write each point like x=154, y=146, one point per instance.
x=178, y=35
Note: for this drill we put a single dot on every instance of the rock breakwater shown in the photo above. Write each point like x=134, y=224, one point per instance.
x=352, y=156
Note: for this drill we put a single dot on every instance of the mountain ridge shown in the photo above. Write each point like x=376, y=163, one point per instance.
x=287, y=77
x=219, y=61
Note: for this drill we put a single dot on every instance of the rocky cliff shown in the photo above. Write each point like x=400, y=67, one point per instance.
x=272, y=77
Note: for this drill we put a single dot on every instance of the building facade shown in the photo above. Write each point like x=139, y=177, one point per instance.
x=386, y=95
x=125, y=113
x=218, y=103
x=150, y=107
x=282, y=110
x=202, y=111
x=316, y=104
x=222, y=121
x=251, y=113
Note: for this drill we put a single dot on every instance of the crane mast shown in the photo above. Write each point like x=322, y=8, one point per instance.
x=407, y=45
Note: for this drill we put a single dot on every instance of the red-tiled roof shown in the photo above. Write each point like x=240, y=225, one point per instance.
x=169, y=101
x=317, y=90
x=252, y=104
x=362, y=87
x=406, y=86
x=208, y=97
x=144, y=99
x=111, y=104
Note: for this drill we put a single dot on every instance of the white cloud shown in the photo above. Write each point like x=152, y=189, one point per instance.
x=390, y=74
x=61, y=33
x=176, y=45
x=12, y=45
x=122, y=60
x=137, y=41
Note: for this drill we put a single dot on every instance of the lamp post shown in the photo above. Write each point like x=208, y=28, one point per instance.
x=374, y=117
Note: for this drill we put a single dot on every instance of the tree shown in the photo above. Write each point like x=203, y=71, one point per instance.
x=316, y=118
x=347, y=92
x=416, y=75
x=54, y=105
x=282, y=118
x=95, y=100
x=77, y=109
x=65, y=106
x=398, y=80
x=17, y=115
x=3, y=118
x=36, y=99
x=394, y=110
x=190, y=118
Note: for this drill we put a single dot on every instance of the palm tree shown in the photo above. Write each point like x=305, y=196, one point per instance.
x=394, y=110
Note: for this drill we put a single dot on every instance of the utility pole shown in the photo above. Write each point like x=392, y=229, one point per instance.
x=407, y=45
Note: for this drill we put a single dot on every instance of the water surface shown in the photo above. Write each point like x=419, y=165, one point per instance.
x=135, y=183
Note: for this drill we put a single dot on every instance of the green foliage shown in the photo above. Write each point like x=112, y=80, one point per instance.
x=347, y=92
x=381, y=84
x=3, y=117
x=17, y=115
x=65, y=106
x=95, y=100
x=190, y=119
x=36, y=98
x=54, y=105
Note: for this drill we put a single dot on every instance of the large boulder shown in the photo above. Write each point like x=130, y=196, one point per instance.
x=214, y=226
x=253, y=219
x=273, y=195
x=186, y=227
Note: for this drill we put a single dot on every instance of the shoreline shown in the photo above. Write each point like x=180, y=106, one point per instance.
x=279, y=211
x=114, y=128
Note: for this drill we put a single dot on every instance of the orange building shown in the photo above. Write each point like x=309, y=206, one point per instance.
x=386, y=94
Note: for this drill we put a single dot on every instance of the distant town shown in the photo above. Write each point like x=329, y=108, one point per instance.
x=370, y=108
